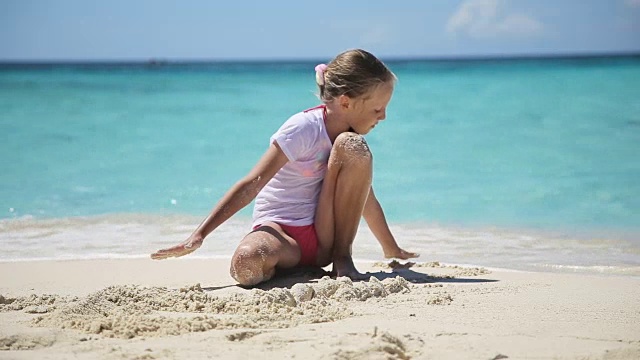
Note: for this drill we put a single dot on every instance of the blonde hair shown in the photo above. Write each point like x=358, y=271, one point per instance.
x=353, y=73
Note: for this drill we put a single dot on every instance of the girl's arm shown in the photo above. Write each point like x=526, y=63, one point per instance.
x=374, y=215
x=236, y=198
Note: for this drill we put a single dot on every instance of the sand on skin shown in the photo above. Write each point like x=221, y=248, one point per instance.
x=177, y=309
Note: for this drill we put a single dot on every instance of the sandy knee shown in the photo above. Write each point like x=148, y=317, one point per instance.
x=352, y=147
x=248, y=266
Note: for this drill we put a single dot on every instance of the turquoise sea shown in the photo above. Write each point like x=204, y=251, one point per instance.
x=530, y=164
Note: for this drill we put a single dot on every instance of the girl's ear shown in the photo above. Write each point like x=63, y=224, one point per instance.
x=344, y=102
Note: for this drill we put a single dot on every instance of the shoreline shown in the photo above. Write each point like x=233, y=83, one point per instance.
x=428, y=310
x=134, y=236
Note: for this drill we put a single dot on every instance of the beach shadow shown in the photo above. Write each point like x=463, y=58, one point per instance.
x=286, y=278
x=466, y=280
x=421, y=278
x=283, y=278
x=214, y=288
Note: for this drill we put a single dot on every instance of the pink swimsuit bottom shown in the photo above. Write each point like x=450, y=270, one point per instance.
x=306, y=238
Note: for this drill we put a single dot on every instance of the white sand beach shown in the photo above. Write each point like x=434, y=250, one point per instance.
x=192, y=309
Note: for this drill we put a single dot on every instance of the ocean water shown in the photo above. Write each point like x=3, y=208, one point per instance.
x=528, y=164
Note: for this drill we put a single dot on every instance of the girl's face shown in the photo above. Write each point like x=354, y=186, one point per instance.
x=366, y=111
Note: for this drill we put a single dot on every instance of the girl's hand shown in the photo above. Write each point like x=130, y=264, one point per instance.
x=399, y=253
x=186, y=247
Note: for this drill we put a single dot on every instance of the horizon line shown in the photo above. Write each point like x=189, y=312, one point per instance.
x=178, y=61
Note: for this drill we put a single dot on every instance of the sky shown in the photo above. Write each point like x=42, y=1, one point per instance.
x=41, y=30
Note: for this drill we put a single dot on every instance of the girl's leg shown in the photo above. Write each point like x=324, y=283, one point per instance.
x=344, y=192
x=259, y=253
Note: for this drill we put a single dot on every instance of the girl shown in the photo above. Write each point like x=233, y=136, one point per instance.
x=313, y=184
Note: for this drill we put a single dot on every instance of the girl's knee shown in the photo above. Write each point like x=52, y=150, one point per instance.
x=249, y=266
x=352, y=147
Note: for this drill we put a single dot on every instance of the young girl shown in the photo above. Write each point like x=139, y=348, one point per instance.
x=313, y=184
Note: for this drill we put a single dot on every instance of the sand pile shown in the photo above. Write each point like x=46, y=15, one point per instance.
x=33, y=304
x=25, y=342
x=380, y=345
x=130, y=311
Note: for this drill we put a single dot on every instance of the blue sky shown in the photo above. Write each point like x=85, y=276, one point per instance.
x=289, y=29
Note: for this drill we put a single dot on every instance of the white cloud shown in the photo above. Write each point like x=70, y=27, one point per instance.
x=488, y=19
x=632, y=3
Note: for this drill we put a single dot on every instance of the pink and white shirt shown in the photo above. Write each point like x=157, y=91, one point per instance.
x=291, y=196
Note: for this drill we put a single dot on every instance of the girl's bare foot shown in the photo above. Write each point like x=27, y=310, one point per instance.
x=343, y=266
x=399, y=253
